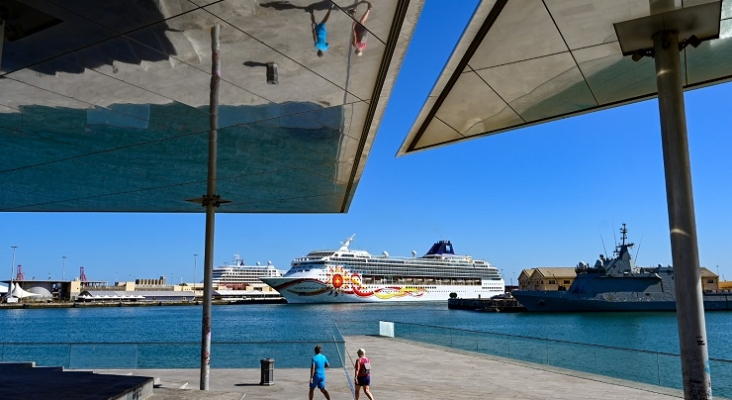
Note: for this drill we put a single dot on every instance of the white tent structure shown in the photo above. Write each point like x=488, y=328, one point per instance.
x=18, y=292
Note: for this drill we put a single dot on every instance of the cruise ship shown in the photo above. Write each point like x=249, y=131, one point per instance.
x=355, y=276
x=238, y=275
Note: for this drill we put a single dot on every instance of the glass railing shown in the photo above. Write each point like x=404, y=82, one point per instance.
x=656, y=368
x=344, y=358
x=170, y=355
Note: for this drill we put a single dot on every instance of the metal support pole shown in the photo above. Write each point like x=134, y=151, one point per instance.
x=210, y=202
x=685, y=253
x=2, y=39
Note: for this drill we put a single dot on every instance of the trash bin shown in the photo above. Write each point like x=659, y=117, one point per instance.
x=267, y=371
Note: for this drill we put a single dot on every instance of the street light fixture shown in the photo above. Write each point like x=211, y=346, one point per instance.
x=12, y=265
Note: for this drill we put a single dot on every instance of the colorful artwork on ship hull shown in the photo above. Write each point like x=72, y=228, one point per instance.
x=341, y=282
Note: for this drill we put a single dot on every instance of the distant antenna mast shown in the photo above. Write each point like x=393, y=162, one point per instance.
x=604, y=250
x=624, y=232
x=638, y=250
x=82, y=275
x=20, y=276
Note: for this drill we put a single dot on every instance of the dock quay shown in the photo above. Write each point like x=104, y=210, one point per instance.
x=81, y=304
x=486, y=305
x=399, y=371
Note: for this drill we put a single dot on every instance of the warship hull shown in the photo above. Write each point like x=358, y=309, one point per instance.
x=553, y=301
x=617, y=284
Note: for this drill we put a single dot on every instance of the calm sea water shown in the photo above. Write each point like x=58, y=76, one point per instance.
x=284, y=322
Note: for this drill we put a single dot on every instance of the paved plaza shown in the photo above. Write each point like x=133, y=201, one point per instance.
x=407, y=370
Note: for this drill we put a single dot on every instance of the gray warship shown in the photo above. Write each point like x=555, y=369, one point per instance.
x=617, y=284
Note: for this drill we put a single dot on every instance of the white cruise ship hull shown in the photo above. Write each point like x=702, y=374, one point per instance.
x=301, y=290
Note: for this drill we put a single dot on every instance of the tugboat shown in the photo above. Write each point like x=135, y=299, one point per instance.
x=617, y=284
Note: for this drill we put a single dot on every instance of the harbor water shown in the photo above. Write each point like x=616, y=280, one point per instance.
x=653, y=331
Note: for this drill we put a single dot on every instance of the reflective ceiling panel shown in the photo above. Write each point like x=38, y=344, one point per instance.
x=552, y=59
x=105, y=105
x=525, y=30
x=552, y=85
x=457, y=112
x=263, y=25
x=589, y=23
x=614, y=78
x=137, y=14
x=438, y=132
x=711, y=59
x=375, y=25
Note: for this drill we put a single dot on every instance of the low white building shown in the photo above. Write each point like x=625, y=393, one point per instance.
x=137, y=295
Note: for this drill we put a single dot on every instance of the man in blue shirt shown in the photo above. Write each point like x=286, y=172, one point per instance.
x=320, y=34
x=317, y=373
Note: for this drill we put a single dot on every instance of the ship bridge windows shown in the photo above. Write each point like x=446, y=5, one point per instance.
x=319, y=254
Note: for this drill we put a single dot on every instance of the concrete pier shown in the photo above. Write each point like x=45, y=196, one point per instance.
x=407, y=370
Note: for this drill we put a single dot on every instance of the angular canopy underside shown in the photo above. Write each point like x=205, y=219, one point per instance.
x=104, y=104
x=525, y=62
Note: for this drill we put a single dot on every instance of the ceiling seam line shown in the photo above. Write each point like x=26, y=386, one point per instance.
x=508, y=104
x=276, y=51
x=396, y=26
x=357, y=20
x=569, y=114
x=571, y=53
x=520, y=61
x=450, y=126
x=472, y=48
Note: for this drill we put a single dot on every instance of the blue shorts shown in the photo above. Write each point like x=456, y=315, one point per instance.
x=318, y=382
x=363, y=380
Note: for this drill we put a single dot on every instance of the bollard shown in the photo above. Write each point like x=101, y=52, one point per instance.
x=267, y=371
x=272, y=74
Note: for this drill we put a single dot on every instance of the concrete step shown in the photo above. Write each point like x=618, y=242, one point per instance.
x=26, y=381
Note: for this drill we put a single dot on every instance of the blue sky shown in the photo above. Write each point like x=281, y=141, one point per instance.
x=548, y=195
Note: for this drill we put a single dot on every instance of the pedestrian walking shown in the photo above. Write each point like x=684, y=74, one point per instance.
x=359, y=32
x=362, y=374
x=320, y=34
x=318, y=364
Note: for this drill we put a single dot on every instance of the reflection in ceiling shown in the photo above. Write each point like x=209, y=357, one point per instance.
x=104, y=105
